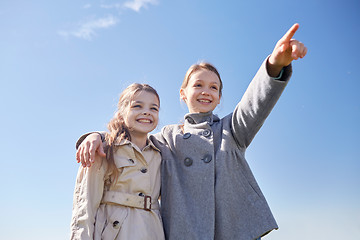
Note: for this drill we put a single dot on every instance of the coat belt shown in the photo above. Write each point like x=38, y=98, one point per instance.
x=130, y=200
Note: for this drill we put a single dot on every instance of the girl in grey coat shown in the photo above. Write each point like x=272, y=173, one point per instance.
x=208, y=190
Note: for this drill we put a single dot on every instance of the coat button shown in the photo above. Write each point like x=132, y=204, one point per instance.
x=188, y=162
x=187, y=135
x=207, y=133
x=143, y=170
x=116, y=225
x=207, y=158
x=130, y=160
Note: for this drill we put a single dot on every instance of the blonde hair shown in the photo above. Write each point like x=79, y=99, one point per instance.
x=196, y=67
x=118, y=131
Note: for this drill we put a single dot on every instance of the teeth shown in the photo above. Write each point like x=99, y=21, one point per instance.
x=144, y=120
x=204, y=101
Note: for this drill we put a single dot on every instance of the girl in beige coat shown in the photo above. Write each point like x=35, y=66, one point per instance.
x=118, y=197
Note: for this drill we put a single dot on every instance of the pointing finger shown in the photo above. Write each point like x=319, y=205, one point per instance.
x=290, y=33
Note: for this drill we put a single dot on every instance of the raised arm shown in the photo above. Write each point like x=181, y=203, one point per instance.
x=266, y=88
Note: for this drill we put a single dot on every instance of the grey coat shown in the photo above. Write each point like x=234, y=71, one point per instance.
x=208, y=190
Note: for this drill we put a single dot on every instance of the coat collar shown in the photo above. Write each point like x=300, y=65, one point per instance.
x=196, y=118
x=150, y=144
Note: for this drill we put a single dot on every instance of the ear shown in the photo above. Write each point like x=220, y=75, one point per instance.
x=219, y=100
x=182, y=94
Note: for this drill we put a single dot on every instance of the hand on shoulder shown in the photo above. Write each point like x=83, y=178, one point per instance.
x=88, y=149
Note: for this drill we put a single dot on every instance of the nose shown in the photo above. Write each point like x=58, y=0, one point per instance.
x=204, y=92
x=146, y=113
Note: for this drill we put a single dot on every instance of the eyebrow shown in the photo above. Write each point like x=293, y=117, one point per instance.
x=153, y=104
x=203, y=81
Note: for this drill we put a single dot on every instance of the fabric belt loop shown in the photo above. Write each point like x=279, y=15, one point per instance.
x=147, y=202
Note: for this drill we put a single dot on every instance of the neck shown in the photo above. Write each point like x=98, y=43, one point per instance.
x=139, y=140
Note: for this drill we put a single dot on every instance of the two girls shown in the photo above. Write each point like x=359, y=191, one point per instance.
x=208, y=190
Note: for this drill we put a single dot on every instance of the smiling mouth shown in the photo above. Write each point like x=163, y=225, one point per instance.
x=143, y=120
x=204, y=101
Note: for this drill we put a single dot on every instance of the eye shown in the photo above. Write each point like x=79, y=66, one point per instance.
x=214, y=87
x=155, y=109
x=136, y=106
x=197, y=85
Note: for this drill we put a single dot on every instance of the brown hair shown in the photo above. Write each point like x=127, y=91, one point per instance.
x=117, y=128
x=196, y=67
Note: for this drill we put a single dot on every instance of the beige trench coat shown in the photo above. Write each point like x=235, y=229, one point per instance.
x=101, y=211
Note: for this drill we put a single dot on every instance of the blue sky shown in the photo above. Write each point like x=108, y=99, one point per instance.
x=64, y=63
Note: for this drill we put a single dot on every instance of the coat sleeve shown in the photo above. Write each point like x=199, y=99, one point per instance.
x=88, y=193
x=257, y=103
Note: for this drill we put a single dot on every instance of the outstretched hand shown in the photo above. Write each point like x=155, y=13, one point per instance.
x=286, y=50
x=88, y=149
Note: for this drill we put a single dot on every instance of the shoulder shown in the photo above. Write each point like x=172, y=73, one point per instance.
x=223, y=121
x=170, y=129
x=166, y=134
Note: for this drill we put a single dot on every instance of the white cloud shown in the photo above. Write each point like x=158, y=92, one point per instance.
x=136, y=5
x=88, y=29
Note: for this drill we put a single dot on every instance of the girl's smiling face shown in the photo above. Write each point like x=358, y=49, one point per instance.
x=202, y=93
x=143, y=113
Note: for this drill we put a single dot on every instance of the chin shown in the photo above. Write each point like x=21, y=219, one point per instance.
x=206, y=110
